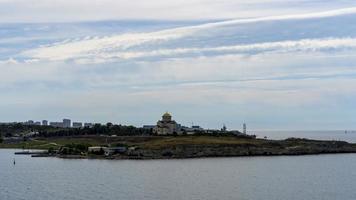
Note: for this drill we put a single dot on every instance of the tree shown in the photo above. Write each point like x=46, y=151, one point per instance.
x=51, y=150
x=1, y=140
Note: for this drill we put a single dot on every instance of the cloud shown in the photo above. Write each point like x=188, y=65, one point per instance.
x=258, y=67
x=96, y=52
x=231, y=83
x=189, y=41
x=81, y=10
x=9, y=61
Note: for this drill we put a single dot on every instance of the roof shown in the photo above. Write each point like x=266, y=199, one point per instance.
x=167, y=114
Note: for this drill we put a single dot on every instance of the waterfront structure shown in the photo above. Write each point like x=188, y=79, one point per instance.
x=44, y=123
x=114, y=150
x=66, y=123
x=77, y=124
x=96, y=149
x=167, y=126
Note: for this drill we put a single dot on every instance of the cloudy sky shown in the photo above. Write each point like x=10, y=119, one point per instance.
x=274, y=64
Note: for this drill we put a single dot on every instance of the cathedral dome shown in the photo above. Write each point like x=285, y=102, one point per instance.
x=167, y=114
x=166, y=117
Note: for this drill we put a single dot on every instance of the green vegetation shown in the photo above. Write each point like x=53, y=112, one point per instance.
x=161, y=142
x=33, y=144
x=74, y=149
x=189, y=146
x=83, y=142
x=71, y=142
x=9, y=130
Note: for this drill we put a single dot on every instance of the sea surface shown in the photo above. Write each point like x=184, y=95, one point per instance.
x=317, y=177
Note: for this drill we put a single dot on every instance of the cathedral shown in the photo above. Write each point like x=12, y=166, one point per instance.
x=167, y=126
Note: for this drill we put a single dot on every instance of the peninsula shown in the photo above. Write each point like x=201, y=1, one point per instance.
x=166, y=140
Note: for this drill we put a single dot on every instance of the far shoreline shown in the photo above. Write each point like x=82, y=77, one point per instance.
x=178, y=147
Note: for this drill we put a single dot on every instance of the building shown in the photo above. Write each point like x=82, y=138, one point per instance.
x=223, y=129
x=66, y=123
x=96, y=149
x=148, y=127
x=44, y=123
x=56, y=124
x=167, y=126
x=77, y=124
x=88, y=125
x=37, y=123
x=114, y=150
x=192, y=130
x=29, y=122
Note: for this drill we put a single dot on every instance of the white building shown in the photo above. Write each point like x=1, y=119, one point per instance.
x=66, y=123
x=167, y=126
x=96, y=149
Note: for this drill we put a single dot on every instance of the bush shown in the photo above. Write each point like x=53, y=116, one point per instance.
x=120, y=145
x=74, y=148
x=51, y=150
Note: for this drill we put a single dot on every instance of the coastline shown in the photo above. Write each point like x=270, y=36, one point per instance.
x=188, y=147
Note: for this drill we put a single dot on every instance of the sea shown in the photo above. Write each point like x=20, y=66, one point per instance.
x=312, y=177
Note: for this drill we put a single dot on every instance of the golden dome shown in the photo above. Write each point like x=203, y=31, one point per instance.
x=167, y=115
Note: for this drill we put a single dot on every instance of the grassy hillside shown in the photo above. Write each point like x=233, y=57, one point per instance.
x=140, y=141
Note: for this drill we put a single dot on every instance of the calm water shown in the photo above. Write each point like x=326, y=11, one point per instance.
x=320, y=177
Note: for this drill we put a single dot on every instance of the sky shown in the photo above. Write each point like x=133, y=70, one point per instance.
x=273, y=64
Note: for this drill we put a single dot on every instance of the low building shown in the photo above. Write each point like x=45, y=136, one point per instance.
x=88, y=125
x=114, y=150
x=29, y=122
x=192, y=130
x=77, y=124
x=148, y=127
x=96, y=149
x=56, y=124
x=167, y=126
